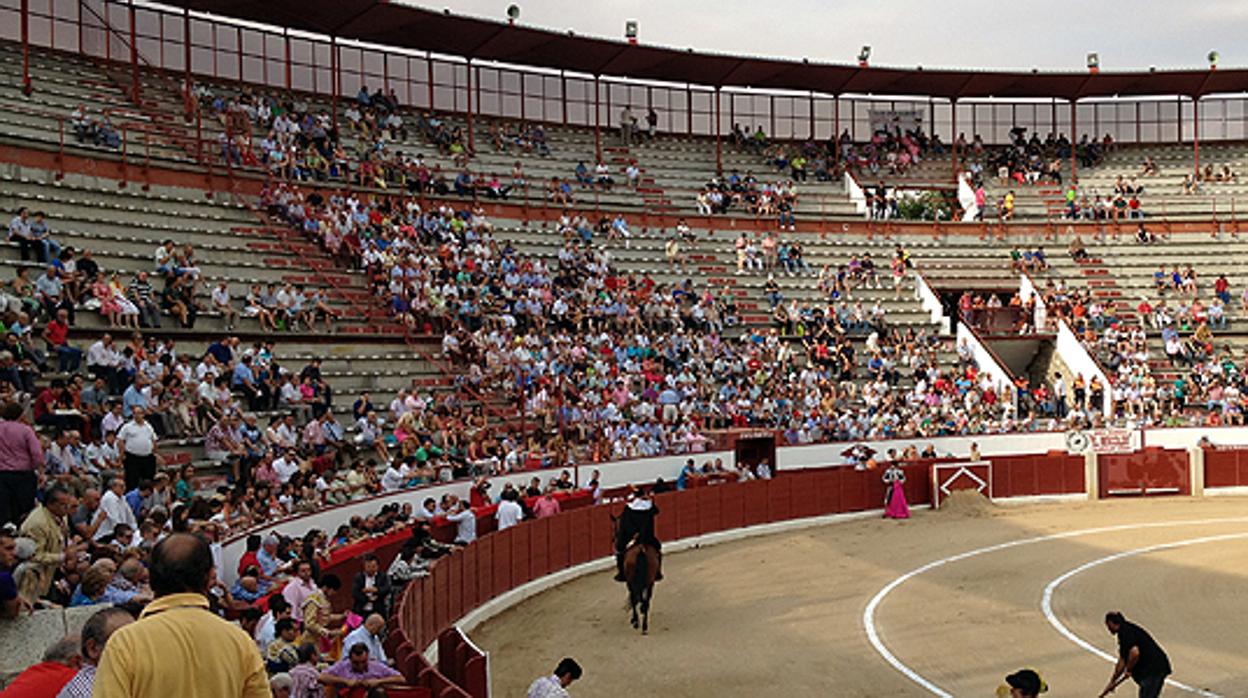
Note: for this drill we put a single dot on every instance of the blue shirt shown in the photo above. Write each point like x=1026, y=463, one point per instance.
x=135, y=500
x=243, y=375
x=133, y=397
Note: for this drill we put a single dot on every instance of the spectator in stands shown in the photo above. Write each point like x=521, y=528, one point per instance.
x=282, y=654
x=556, y=684
x=20, y=233
x=546, y=506
x=358, y=671
x=222, y=304
x=371, y=634
x=46, y=525
x=11, y=603
x=137, y=443
x=226, y=660
x=466, y=523
x=140, y=294
x=21, y=460
x=509, y=512
x=60, y=664
x=305, y=676
x=370, y=590
x=94, y=637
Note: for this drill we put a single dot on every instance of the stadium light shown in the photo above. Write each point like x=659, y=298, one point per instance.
x=630, y=31
x=1094, y=63
x=1213, y=60
x=513, y=13
x=863, y=56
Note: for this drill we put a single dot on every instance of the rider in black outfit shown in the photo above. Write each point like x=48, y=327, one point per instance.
x=636, y=522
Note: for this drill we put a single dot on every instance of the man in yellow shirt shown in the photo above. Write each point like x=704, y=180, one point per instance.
x=178, y=647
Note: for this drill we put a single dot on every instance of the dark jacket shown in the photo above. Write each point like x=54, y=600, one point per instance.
x=362, y=604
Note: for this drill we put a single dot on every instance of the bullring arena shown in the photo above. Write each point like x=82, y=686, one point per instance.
x=783, y=614
x=385, y=332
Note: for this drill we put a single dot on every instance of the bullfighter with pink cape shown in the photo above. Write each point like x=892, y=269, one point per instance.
x=895, y=506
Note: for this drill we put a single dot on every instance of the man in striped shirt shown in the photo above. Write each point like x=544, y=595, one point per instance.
x=95, y=634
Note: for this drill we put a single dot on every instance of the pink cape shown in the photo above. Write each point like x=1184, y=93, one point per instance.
x=897, y=507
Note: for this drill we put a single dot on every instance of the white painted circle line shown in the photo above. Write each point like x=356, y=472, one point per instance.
x=868, y=614
x=1046, y=602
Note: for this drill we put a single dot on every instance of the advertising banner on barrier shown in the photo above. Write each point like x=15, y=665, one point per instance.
x=1111, y=440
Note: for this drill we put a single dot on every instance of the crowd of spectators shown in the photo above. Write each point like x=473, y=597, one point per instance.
x=737, y=192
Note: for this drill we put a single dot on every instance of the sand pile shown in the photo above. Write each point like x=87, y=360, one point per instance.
x=968, y=503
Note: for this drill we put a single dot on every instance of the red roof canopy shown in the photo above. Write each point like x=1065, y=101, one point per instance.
x=386, y=23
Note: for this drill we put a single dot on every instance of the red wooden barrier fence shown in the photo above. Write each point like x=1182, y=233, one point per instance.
x=503, y=560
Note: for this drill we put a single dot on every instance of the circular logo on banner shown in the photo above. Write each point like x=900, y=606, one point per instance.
x=1077, y=441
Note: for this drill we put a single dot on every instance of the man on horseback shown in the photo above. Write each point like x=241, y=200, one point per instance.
x=637, y=525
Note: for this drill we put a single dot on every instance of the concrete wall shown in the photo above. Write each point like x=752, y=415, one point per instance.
x=24, y=639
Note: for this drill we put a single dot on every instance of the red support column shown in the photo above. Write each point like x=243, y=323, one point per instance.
x=25, y=21
x=429, y=67
x=470, y=100
x=524, y=96
x=1074, y=145
x=688, y=109
x=811, y=113
x=836, y=128
x=186, y=64
x=597, y=122
x=1195, y=132
x=238, y=46
x=333, y=78
x=771, y=120
x=286, y=41
x=134, y=56
x=563, y=96
x=953, y=128
x=719, y=149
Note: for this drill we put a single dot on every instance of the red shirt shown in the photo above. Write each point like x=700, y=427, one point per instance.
x=57, y=332
x=40, y=681
x=247, y=560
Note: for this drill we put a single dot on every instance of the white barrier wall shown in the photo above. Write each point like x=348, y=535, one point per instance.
x=856, y=195
x=930, y=301
x=987, y=362
x=1068, y=346
x=966, y=197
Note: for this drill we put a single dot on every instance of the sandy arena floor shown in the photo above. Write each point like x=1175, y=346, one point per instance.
x=783, y=615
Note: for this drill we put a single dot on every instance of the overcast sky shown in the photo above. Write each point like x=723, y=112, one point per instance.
x=1055, y=34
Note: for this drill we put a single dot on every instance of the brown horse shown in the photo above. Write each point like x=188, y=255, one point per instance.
x=641, y=564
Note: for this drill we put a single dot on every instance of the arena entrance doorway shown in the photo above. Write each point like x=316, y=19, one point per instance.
x=754, y=446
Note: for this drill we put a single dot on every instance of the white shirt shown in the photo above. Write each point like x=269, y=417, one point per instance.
x=116, y=511
x=391, y=480
x=285, y=468
x=100, y=355
x=548, y=687
x=137, y=439
x=221, y=296
x=375, y=651
x=467, y=525
x=508, y=514
x=266, y=631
